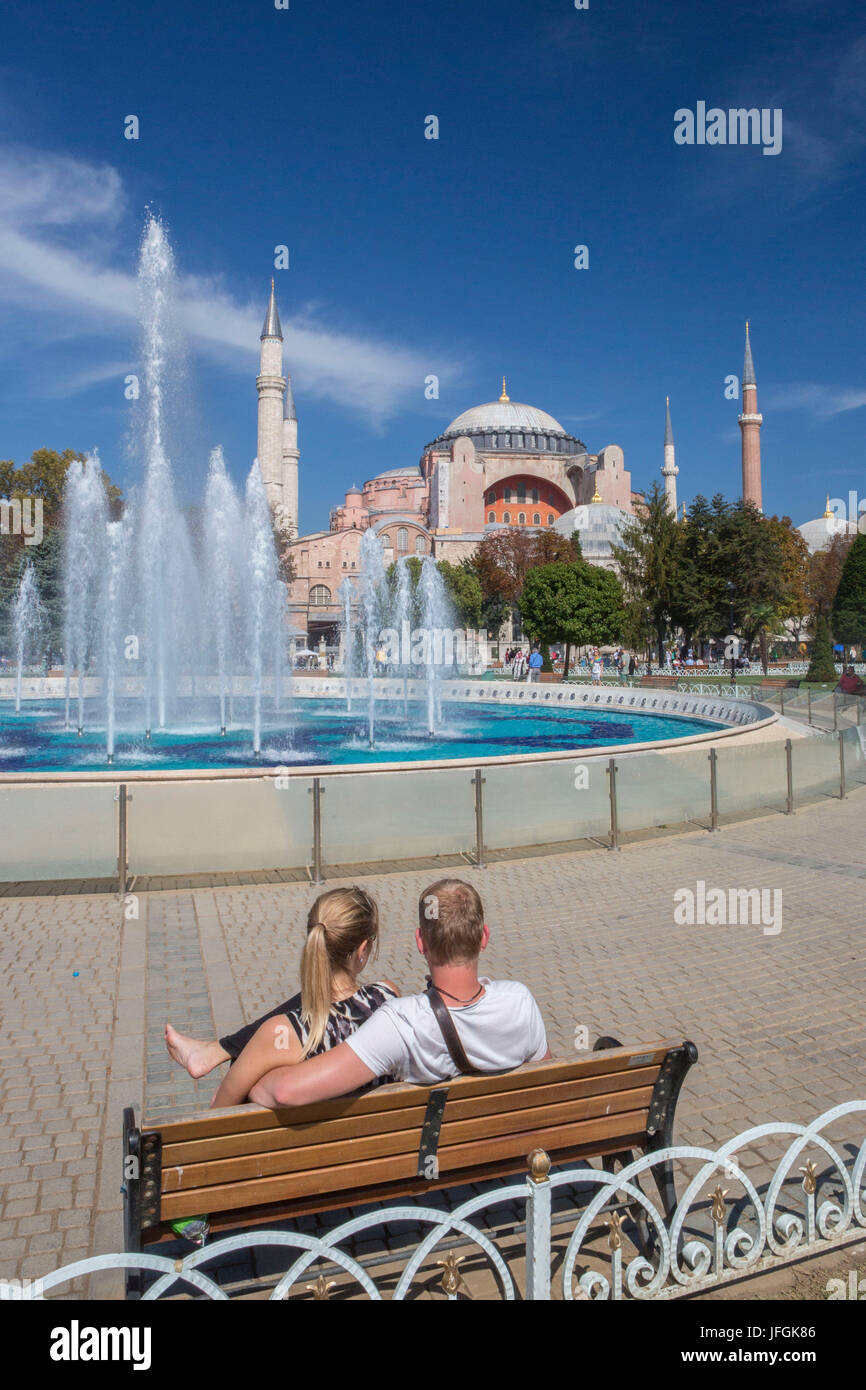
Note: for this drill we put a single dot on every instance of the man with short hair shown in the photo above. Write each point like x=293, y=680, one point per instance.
x=497, y=1023
x=536, y=661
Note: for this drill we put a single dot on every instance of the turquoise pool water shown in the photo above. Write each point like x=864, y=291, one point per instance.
x=321, y=732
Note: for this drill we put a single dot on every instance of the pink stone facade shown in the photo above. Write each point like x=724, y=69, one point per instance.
x=513, y=466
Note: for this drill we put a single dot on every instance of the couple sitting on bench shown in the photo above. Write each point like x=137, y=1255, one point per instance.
x=338, y=1036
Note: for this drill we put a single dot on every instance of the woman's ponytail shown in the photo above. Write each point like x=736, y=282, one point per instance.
x=316, y=986
x=339, y=923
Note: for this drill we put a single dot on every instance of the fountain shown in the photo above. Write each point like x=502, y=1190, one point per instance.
x=174, y=636
x=435, y=624
x=138, y=597
x=347, y=595
x=373, y=587
x=28, y=617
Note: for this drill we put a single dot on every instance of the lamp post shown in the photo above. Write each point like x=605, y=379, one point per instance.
x=732, y=589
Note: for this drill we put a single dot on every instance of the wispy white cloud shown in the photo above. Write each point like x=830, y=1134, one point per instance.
x=58, y=232
x=821, y=401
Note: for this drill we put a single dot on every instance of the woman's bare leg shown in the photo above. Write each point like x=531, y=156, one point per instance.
x=274, y=1044
x=196, y=1057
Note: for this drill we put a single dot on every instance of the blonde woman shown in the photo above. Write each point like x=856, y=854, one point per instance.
x=342, y=937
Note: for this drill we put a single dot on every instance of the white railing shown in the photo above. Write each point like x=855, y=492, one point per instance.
x=716, y=1234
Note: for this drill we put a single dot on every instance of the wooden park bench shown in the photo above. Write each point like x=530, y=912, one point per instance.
x=780, y=683
x=660, y=682
x=247, y=1165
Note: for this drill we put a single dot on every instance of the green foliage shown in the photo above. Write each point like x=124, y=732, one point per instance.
x=461, y=585
x=849, y=604
x=464, y=590
x=821, y=667
x=572, y=602
x=650, y=566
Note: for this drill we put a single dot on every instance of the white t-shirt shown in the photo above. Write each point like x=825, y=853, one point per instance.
x=502, y=1030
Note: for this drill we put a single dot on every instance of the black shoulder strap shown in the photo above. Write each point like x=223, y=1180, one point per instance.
x=449, y=1033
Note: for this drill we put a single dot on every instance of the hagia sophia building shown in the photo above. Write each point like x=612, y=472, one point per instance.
x=498, y=465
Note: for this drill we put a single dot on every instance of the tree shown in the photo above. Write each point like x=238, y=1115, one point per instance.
x=648, y=563
x=824, y=573
x=464, y=590
x=574, y=602
x=849, y=602
x=821, y=667
x=794, y=606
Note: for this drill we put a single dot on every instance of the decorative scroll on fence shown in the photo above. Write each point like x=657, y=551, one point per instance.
x=722, y=1229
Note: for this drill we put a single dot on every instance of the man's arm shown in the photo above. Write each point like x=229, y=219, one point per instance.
x=334, y=1073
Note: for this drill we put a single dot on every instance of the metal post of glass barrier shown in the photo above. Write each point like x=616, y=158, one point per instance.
x=789, y=761
x=121, y=798
x=842, y=790
x=614, y=823
x=809, y=703
x=478, y=783
x=835, y=713
x=316, y=791
x=714, y=791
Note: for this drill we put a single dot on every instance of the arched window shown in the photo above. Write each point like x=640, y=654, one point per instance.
x=402, y=539
x=535, y=494
x=550, y=518
x=320, y=596
x=506, y=494
x=420, y=545
x=536, y=519
x=491, y=497
x=521, y=492
x=522, y=519
x=491, y=516
x=506, y=517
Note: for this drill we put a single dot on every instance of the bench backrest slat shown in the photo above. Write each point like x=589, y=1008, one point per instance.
x=353, y=1177
x=326, y=1155
x=196, y=1151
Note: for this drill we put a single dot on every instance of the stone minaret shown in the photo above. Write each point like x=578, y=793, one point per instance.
x=271, y=386
x=291, y=454
x=750, y=427
x=669, y=468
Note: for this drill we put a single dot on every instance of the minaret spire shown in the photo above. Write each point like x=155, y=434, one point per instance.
x=750, y=422
x=271, y=386
x=272, y=327
x=669, y=467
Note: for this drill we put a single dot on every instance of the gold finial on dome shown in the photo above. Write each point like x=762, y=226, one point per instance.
x=505, y=396
x=828, y=515
x=596, y=496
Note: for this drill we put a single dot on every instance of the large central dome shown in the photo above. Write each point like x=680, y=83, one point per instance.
x=504, y=415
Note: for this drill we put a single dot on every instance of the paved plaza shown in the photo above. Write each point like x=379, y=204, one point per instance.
x=88, y=985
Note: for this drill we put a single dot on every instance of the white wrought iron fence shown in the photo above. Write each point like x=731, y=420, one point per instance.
x=812, y=1204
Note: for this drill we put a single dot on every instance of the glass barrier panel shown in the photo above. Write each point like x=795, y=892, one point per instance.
x=219, y=826
x=854, y=742
x=371, y=816
x=752, y=777
x=57, y=831
x=655, y=789
x=816, y=765
x=545, y=802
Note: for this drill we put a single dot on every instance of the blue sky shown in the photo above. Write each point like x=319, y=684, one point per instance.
x=410, y=256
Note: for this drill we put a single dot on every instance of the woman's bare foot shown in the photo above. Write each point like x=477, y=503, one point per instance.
x=196, y=1057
